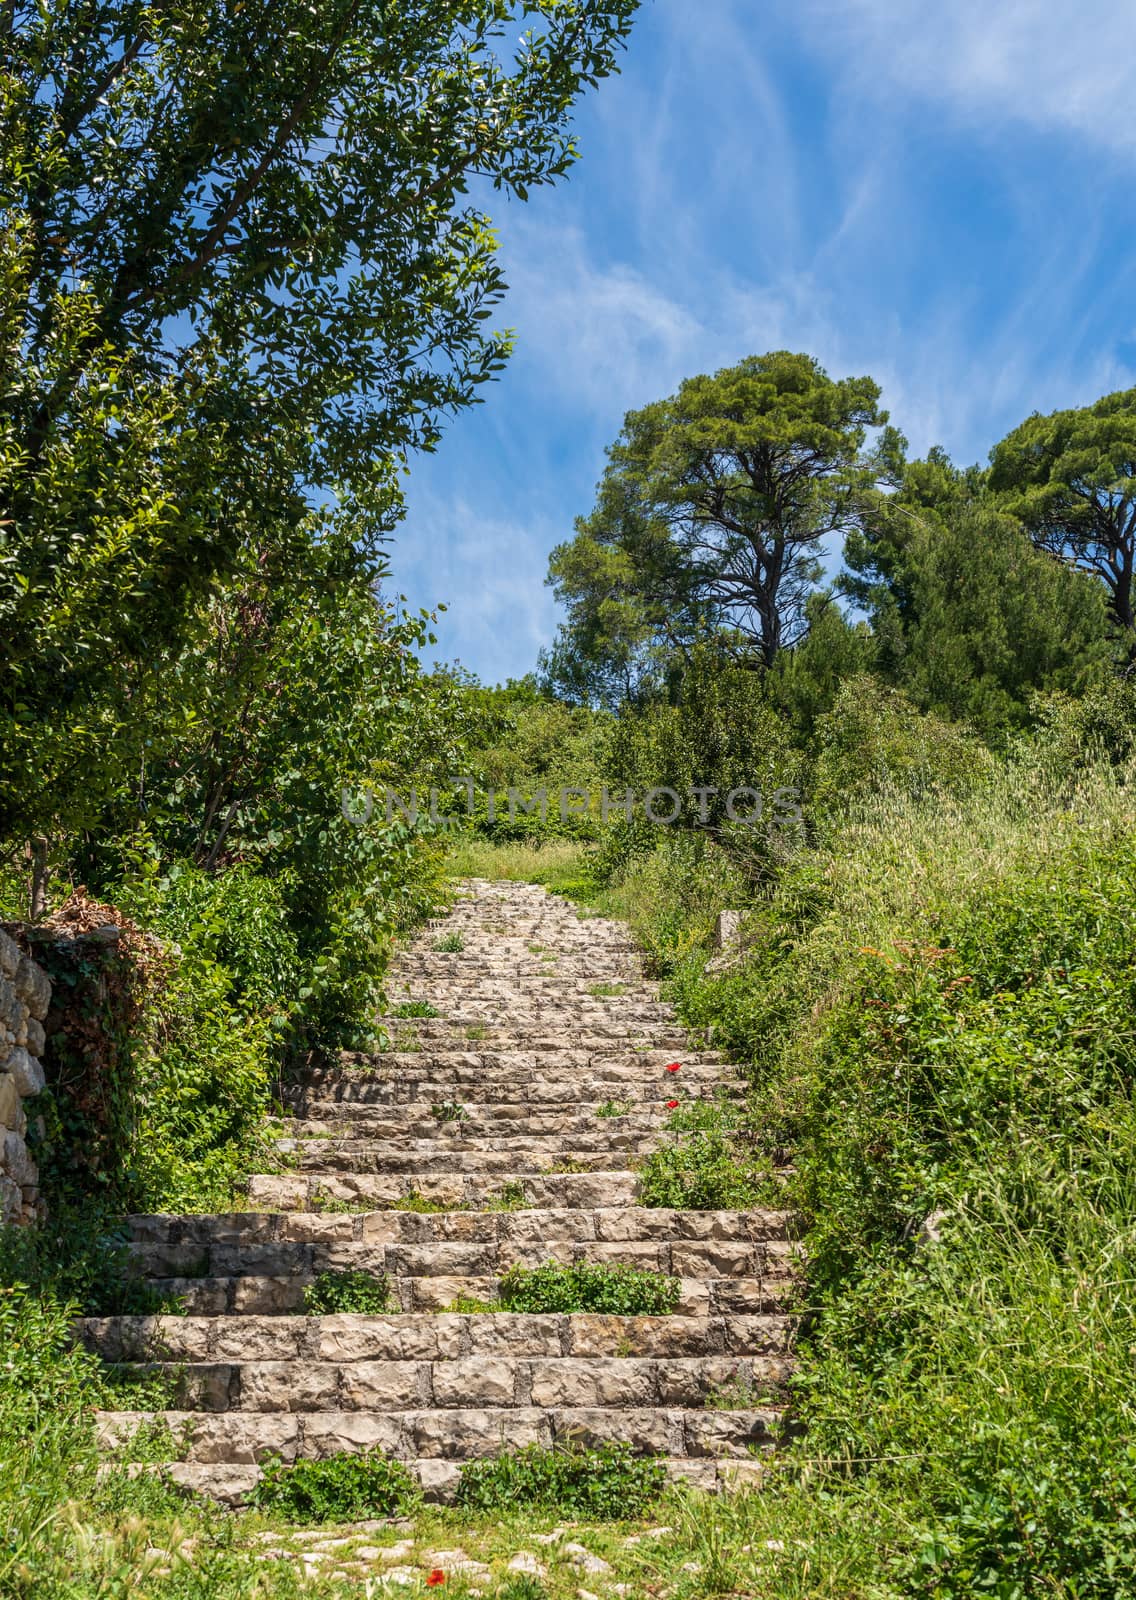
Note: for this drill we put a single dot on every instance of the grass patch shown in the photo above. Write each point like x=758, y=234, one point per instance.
x=342, y=1488
x=607, y=991
x=605, y=1483
x=415, y=1008
x=449, y=943
x=510, y=1197
x=557, y=864
x=363, y=1294
x=616, y=1289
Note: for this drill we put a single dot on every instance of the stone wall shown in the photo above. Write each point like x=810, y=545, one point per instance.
x=25, y=992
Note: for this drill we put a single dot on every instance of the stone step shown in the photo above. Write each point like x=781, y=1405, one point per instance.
x=452, y=1033
x=470, y=1156
x=407, y=1227
x=337, y=1119
x=439, y=1336
x=296, y=1191
x=551, y=1010
x=471, y=1382
x=561, y=1062
x=457, y=1435
x=738, y=1257
x=427, y=1084
x=229, y=1484
x=250, y=1294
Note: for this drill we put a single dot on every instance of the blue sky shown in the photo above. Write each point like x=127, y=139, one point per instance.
x=939, y=196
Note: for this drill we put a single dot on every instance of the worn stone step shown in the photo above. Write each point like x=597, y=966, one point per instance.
x=559, y=1061
x=422, y=1336
x=254, y=1294
x=229, y=1484
x=472, y=1156
x=472, y=1085
x=452, y=1434
x=307, y=1191
x=326, y=1119
x=453, y=1033
x=698, y=1257
x=471, y=1382
x=408, y=1227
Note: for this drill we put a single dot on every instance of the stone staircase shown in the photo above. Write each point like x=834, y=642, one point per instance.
x=503, y=1129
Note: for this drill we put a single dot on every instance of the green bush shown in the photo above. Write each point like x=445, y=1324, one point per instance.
x=606, y=1483
x=875, y=741
x=935, y=1002
x=363, y=1294
x=702, y=1171
x=615, y=1289
x=341, y=1488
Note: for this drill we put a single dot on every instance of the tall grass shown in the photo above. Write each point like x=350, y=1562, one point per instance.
x=553, y=863
x=935, y=1004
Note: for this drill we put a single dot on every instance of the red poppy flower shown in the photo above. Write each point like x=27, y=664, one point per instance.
x=675, y=1066
x=436, y=1577
x=672, y=1105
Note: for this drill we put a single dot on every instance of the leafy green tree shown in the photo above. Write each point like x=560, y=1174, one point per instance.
x=712, y=514
x=1070, y=478
x=970, y=620
x=294, y=691
x=239, y=272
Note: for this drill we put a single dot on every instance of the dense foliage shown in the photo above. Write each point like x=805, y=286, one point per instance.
x=602, y=1287
x=348, y=1488
x=606, y=1482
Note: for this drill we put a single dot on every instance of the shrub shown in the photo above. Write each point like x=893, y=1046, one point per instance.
x=606, y=1483
x=364, y=1294
x=615, y=1289
x=415, y=1008
x=875, y=741
x=340, y=1488
x=702, y=1171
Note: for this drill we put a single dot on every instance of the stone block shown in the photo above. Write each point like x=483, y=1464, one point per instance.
x=288, y=1386
x=383, y=1385
x=267, y=1296
x=259, y=1338
x=714, y=1258
x=657, y=1433
x=35, y=1039
x=11, y=1103
x=514, y=1335
x=240, y=1438
x=9, y=955
x=33, y=987
x=16, y=1161
x=596, y=1382
x=27, y=1072
x=205, y=1386
x=439, y=1479
x=462, y=1435
x=475, y=1381
x=393, y=1338
x=333, y=1433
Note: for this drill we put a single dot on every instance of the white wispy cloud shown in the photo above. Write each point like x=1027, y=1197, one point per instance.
x=487, y=570
x=1062, y=64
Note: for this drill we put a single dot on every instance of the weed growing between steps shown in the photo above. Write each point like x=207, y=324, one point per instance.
x=615, y=1289
x=363, y=1294
x=712, y=1163
x=343, y=1488
x=604, y=1482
